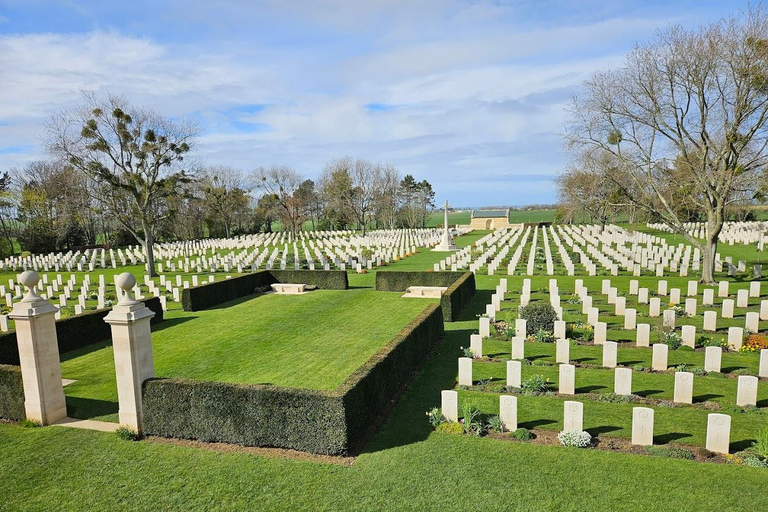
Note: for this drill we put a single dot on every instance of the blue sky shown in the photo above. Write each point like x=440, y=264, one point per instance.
x=468, y=95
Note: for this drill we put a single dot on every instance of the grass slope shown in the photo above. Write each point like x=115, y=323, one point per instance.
x=307, y=341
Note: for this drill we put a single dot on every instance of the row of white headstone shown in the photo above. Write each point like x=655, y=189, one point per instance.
x=746, y=389
x=718, y=425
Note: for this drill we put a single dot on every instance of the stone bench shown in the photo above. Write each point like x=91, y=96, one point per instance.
x=425, y=292
x=289, y=288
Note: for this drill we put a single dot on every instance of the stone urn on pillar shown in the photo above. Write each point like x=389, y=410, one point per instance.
x=132, y=343
x=39, y=354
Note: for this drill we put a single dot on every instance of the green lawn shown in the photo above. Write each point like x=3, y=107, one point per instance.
x=310, y=341
x=406, y=465
x=515, y=216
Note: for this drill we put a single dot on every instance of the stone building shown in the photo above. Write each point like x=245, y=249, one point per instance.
x=490, y=219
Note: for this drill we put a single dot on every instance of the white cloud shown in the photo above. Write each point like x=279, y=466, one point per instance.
x=477, y=99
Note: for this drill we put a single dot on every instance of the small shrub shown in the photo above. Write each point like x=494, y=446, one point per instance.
x=685, y=348
x=466, y=351
x=742, y=371
x=760, y=446
x=671, y=338
x=494, y=424
x=638, y=368
x=575, y=438
x=543, y=336
x=614, y=398
x=754, y=461
x=449, y=428
x=538, y=316
x=435, y=416
x=127, y=434
x=470, y=423
x=671, y=452
x=522, y=434
x=25, y=423
x=713, y=342
x=754, y=343
x=534, y=384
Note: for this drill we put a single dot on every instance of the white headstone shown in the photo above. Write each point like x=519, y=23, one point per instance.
x=710, y=321
x=712, y=358
x=514, y=374
x=752, y=321
x=622, y=381
x=508, y=412
x=573, y=415
x=601, y=332
x=688, y=333
x=518, y=347
x=642, y=426
x=567, y=380
x=610, y=354
x=562, y=351
x=465, y=371
x=449, y=404
x=643, y=335
x=746, y=391
x=735, y=337
x=660, y=353
x=683, y=387
x=718, y=433
x=476, y=345
x=630, y=319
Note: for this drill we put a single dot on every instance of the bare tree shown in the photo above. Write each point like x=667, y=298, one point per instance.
x=695, y=101
x=387, y=195
x=353, y=182
x=282, y=183
x=584, y=187
x=134, y=154
x=224, y=195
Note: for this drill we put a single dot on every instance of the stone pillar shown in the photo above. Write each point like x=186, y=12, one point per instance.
x=39, y=354
x=132, y=343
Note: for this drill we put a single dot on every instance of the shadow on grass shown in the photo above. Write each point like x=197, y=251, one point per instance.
x=407, y=423
x=629, y=363
x=704, y=398
x=535, y=423
x=731, y=369
x=649, y=392
x=172, y=322
x=93, y=347
x=668, y=438
x=589, y=389
x=741, y=445
x=87, y=408
x=603, y=429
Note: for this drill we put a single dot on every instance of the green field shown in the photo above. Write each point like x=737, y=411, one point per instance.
x=271, y=339
x=515, y=217
x=407, y=465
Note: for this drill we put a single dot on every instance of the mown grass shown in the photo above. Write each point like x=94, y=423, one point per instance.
x=406, y=466
x=310, y=341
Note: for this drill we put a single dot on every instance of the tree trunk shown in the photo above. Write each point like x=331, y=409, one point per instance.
x=714, y=226
x=149, y=250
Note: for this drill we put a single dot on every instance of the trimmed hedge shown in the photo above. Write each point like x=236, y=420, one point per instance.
x=369, y=390
x=323, y=279
x=457, y=296
x=11, y=393
x=461, y=287
x=212, y=294
x=75, y=332
x=301, y=419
